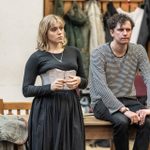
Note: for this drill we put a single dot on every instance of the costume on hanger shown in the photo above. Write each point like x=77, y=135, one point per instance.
x=75, y=18
x=58, y=7
x=111, y=10
x=77, y=29
x=144, y=35
x=147, y=10
x=97, y=34
x=56, y=120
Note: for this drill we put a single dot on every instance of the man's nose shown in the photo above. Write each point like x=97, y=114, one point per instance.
x=124, y=31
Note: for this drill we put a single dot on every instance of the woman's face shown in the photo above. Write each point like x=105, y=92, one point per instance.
x=55, y=34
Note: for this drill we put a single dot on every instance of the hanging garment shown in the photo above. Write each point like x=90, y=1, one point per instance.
x=97, y=34
x=145, y=26
x=58, y=7
x=137, y=17
x=77, y=29
x=147, y=11
x=75, y=19
x=111, y=10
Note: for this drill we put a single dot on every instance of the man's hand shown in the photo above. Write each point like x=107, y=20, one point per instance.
x=134, y=117
x=142, y=113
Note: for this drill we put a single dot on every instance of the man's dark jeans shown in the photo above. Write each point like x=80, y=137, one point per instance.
x=121, y=125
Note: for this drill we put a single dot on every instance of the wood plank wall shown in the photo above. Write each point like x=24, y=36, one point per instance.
x=126, y=5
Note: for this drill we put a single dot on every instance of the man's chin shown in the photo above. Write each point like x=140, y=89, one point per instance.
x=124, y=41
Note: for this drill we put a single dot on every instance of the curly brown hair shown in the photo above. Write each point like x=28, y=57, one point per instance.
x=119, y=18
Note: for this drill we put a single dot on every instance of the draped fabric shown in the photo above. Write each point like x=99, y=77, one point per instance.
x=111, y=10
x=97, y=34
x=13, y=133
x=78, y=31
x=58, y=7
x=13, y=129
x=75, y=18
x=144, y=35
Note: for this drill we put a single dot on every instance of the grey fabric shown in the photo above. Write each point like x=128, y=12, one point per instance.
x=52, y=75
x=13, y=129
x=4, y=145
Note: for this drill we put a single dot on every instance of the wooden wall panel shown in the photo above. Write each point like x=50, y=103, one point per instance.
x=127, y=5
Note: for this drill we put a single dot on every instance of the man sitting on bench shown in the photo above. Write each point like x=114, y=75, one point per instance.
x=113, y=69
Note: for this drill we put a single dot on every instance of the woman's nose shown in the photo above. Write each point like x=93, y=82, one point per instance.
x=59, y=30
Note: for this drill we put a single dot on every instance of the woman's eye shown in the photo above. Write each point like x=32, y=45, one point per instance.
x=61, y=28
x=56, y=28
x=53, y=29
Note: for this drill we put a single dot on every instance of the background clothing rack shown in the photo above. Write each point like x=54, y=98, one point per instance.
x=126, y=5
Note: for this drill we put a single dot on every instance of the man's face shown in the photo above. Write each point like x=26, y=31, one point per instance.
x=122, y=33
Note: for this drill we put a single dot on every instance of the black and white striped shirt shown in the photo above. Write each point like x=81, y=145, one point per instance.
x=112, y=77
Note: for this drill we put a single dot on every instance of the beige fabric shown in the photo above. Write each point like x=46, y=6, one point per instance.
x=13, y=129
x=97, y=33
x=54, y=74
x=13, y=132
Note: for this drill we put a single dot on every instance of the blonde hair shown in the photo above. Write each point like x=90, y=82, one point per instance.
x=46, y=23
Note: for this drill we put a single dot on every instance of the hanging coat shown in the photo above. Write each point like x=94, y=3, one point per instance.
x=111, y=10
x=97, y=34
x=75, y=19
x=59, y=7
x=77, y=29
x=145, y=25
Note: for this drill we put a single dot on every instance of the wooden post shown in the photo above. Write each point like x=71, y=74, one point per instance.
x=1, y=106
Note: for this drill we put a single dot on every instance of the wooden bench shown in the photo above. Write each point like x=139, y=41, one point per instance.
x=17, y=108
x=94, y=128
x=100, y=129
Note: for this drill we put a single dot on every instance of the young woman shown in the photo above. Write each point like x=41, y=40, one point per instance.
x=55, y=121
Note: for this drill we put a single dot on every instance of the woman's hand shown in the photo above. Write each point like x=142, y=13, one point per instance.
x=142, y=113
x=57, y=85
x=72, y=82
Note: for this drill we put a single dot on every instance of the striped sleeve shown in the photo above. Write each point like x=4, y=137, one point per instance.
x=99, y=89
x=144, y=66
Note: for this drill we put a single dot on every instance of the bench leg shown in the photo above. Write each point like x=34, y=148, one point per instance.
x=112, y=146
x=149, y=147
